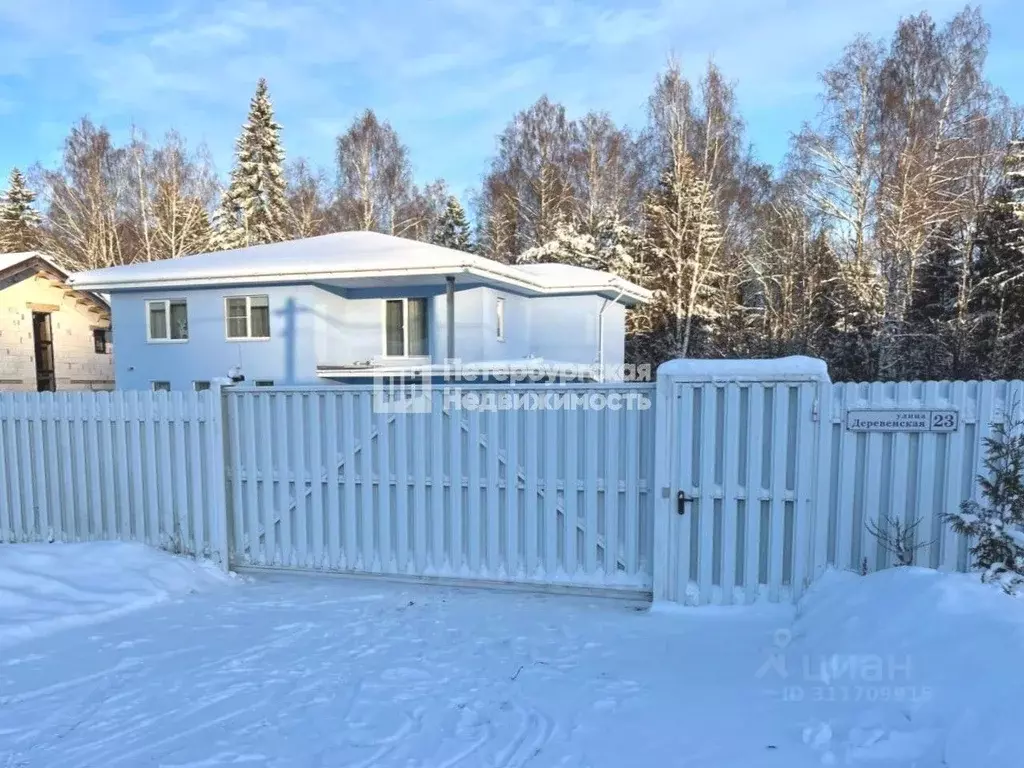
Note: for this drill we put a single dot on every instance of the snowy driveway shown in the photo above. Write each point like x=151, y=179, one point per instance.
x=293, y=671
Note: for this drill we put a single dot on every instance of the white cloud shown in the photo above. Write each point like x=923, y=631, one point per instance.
x=448, y=74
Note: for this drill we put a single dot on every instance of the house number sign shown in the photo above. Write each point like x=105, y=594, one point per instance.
x=902, y=420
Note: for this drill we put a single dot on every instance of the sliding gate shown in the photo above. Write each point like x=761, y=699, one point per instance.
x=530, y=484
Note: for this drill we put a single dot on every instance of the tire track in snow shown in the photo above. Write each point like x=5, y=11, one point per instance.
x=521, y=750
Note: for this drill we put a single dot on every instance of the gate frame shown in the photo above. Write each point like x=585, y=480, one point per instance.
x=780, y=370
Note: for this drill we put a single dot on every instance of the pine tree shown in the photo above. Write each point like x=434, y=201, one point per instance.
x=997, y=304
x=452, y=228
x=19, y=221
x=858, y=304
x=997, y=526
x=254, y=208
x=612, y=247
x=928, y=344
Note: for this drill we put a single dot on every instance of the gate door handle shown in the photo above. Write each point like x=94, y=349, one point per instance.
x=681, y=501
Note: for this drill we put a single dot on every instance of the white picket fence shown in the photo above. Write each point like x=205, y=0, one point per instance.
x=114, y=465
x=580, y=495
x=320, y=479
x=901, y=475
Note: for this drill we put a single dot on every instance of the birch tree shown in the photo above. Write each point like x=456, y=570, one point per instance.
x=85, y=200
x=374, y=175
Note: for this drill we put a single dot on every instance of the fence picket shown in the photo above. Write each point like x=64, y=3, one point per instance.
x=401, y=495
x=333, y=523
x=455, y=547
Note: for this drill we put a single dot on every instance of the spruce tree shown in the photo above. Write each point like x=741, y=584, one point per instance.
x=929, y=346
x=254, y=207
x=997, y=305
x=996, y=526
x=19, y=221
x=452, y=229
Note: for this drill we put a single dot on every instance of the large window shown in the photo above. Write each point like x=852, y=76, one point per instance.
x=248, y=317
x=167, y=320
x=405, y=328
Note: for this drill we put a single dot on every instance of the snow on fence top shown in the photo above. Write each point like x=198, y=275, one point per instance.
x=768, y=370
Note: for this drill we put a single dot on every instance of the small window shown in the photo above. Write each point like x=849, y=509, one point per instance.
x=161, y=386
x=200, y=386
x=167, y=320
x=247, y=317
x=263, y=383
x=405, y=328
x=499, y=318
x=101, y=340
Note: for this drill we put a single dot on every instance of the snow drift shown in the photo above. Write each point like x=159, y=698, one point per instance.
x=908, y=666
x=47, y=587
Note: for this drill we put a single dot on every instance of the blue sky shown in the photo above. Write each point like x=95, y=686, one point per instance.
x=448, y=74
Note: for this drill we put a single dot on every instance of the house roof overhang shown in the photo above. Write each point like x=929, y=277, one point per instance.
x=357, y=259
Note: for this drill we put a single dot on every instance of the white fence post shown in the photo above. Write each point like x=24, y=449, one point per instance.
x=665, y=433
x=216, y=489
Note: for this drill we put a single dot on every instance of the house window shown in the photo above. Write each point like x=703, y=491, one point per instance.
x=167, y=320
x=499, y=318
x=200, y=386
x=100, y=340
x=161, y=386
x=247, y=317
x=263, y=383
x=405, y=328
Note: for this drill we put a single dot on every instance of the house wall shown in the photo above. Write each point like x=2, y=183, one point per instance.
x=288, y=357
x=565, y=328
x=315, y=325
x=351, y=323
x=77, y=365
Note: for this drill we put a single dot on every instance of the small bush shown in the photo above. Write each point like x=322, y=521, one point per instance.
x=997, y=524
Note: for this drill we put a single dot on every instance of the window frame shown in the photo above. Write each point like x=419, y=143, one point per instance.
x=150, y=339
x=405, y=327
x=499, y=318
x=263, y=382
x=153, y=386
x=107, y=343
x=248, y=317
x=201, y=386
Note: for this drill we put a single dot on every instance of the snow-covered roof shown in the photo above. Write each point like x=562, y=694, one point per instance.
x=357, y=259
x=11, y=260
x=8, y=260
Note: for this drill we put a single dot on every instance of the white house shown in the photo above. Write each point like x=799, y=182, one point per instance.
x=346, y=306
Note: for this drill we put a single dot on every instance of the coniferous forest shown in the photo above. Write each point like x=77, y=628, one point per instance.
x=889, y=240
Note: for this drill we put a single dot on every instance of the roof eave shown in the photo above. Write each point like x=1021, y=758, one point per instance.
x=501, y=274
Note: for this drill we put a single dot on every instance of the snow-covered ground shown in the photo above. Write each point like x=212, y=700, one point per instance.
x=47, y=587
x=314, y=671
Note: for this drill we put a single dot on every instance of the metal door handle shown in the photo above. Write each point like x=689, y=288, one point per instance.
x=681, y=501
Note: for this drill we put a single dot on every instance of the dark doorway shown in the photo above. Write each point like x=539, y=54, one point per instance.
x=46, y=381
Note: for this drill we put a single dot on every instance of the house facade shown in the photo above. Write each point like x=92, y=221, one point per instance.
x=343, y=307
x=52, y=337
